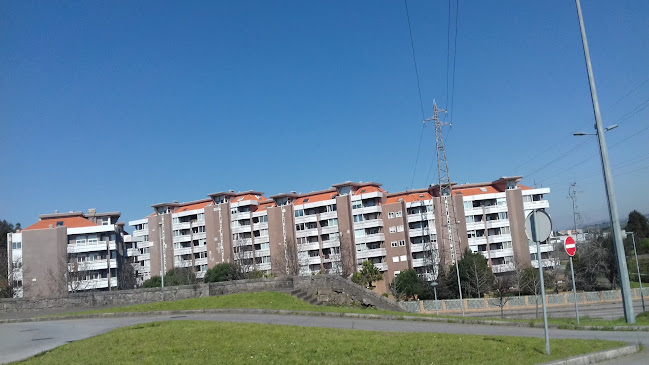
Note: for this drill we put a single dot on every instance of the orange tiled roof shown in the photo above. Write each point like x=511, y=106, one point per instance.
x=409, y=197
x=193, y=206
x=266, y=205
x=248, y=197
x=476, y=191
x=523, y=187
x=318, y=197
x=69, y=222
x=368, y=189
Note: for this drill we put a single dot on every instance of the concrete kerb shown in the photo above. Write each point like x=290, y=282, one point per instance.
x=597, y=356
x=321, y=314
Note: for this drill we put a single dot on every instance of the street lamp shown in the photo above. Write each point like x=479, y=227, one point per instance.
x=434, y=284
x=637, y=266
x=594, y=134
x=623, y=272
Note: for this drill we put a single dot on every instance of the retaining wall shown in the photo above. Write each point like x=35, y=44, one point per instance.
x=527, y=301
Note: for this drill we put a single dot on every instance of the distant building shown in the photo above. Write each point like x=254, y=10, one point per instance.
x=335, y=230
x=66, y=252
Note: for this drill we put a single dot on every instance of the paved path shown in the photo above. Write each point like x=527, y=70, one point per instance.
x=25, y=339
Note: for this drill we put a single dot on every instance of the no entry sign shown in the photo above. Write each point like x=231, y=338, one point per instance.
x=570, y=246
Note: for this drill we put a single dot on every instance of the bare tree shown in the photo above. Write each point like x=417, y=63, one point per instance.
x=502, y=289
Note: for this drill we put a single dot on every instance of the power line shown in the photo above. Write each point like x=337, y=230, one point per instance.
x=558, y=158
x=629, y=93
x=421, y=102
x=457, y=10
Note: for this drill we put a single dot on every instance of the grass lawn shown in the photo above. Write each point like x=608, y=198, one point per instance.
x=196, y=342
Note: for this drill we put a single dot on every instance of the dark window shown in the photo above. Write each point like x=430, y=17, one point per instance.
x=59, y=223
x=305, y=200
x=362, y=191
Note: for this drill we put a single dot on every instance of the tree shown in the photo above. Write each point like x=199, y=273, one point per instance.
x=475, y=274
x=639, y=225
x=502, y=289
x=223, y=272
x=368, y=274
x=407, y=284
x=126, y=277
x=532, y=284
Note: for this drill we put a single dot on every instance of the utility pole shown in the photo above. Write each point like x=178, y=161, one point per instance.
x=446, y=194
x=623, y=272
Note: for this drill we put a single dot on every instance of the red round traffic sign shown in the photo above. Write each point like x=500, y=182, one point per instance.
x=570, y=246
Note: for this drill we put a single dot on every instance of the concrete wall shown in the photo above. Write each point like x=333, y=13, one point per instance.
x=452, y=306
x=44, y=262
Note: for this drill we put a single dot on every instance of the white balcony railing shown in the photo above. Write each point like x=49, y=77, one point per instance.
x=370, y=238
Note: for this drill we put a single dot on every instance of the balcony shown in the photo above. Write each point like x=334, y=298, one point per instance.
x=418, y=247
x=183, y=238
x=307, y=233
x=308, y=246
x=182, y=251
x=140, y=232
x=240, y=228
x=144, y=244
x=377, y=252
x=262, y=239
x=314, y=260
x=502, y=268
x=202, y=261
x=92, y=284
x=242, y=242
x=262, y=253
x=419, y=217
x=363, y=210
x=101, y=246
x=377, y=237
x=132, y=252
x=306, y=218
x=183, y=263
x=501, y=253
x=546, y=263
x=330, y=243
x=536, y=204
x=500, y=238
x=328, y=215
x=368, y=223
x=331, y=258
x=329, y=229
x=264, y=266
x=260, y=225
x=237, y=216
x=181, y=225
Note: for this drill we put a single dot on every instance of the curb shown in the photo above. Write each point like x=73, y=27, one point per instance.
x=597, y=356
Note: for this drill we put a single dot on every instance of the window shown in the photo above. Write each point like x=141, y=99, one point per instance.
x=393, y=229
x=390, y=215
x=403, y=258
x=507, y=244
x=201, y=217
x=504, y=230
x=81, y=240
x=175, y=220
x=400, y=228
x=299, y=213
x=333, y=222
x=105, y=221
x=299, y=227
x=201, y=229
x=264, y=246
x=263, y=219
x=501, y=201
x=358, y=218
x=92, y=240
x=356, y=204
x=394, y=244
x=359, y=233
x=527, y=198
x=17, y=245
x=176, y=233
x=402, y=243
x=502, y=215
x=399, y=214
x=395, y=258
x=59, y=223
x=306, y=200
x=468, y=205
x=397, y=273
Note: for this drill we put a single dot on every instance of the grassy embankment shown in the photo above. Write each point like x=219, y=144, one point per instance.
x=196, y=342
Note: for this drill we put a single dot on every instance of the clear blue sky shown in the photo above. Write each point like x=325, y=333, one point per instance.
x=117, y=105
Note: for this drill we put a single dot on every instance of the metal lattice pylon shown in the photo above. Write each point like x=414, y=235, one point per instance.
x=446, y=196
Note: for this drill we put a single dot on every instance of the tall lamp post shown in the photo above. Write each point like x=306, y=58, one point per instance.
x=434, y=284
x=623, y=272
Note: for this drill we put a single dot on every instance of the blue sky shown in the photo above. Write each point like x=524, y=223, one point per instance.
x=118, y=105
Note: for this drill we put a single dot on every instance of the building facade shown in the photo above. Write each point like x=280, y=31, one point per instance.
x=335, y=230
x=66, y=252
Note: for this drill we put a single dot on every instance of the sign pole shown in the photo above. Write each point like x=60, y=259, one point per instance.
x=536, y=238
x=574, y=289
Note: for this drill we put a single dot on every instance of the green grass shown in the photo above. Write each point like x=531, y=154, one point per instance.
x=262, y=300
x=196, y=342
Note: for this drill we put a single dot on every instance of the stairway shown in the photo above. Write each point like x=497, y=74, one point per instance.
x=303, y=295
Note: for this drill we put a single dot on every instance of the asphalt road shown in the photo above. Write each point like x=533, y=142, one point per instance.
x=25, y=339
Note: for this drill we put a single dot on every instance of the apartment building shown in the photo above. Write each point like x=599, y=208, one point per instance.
x=335, y=230
x=66, y=252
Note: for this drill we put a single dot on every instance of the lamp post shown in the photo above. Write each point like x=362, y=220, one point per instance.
x=434, y=284
x=623, y=272
x=637, y=266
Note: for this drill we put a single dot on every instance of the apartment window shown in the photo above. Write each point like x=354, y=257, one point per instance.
x=504, y=230
x=394, y=244
x=145, y=237
x=359, y=233
x=16, y=245
x=331, y=208
x=333, y=222
x=264, y=246
x=263, y=219
x=468, y=205
x=358, y=218
x=301, y=240
x=176, y=233
x=175, y=220
x=81, y=240
x=201, y=229
x=299, y=227
x=399, y=214
x=393, y=229
x=400, y=228
x=201, y=217
x=403, y=258
x=59, y=223
x=507, y=244
x=356, y=204
x=390, y=215
x=471, y=234
x=92, y=240
x=299, y=213
x=263, y=232
x=502, y=215
x=402, y=243
x=527, y=198
x=105, y=221
x=395, y=258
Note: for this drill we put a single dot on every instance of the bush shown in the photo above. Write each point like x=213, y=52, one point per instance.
x=180, y=276
x=223, y=272
x=154, y=282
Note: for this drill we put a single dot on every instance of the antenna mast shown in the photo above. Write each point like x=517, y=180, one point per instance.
x=446, y=196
